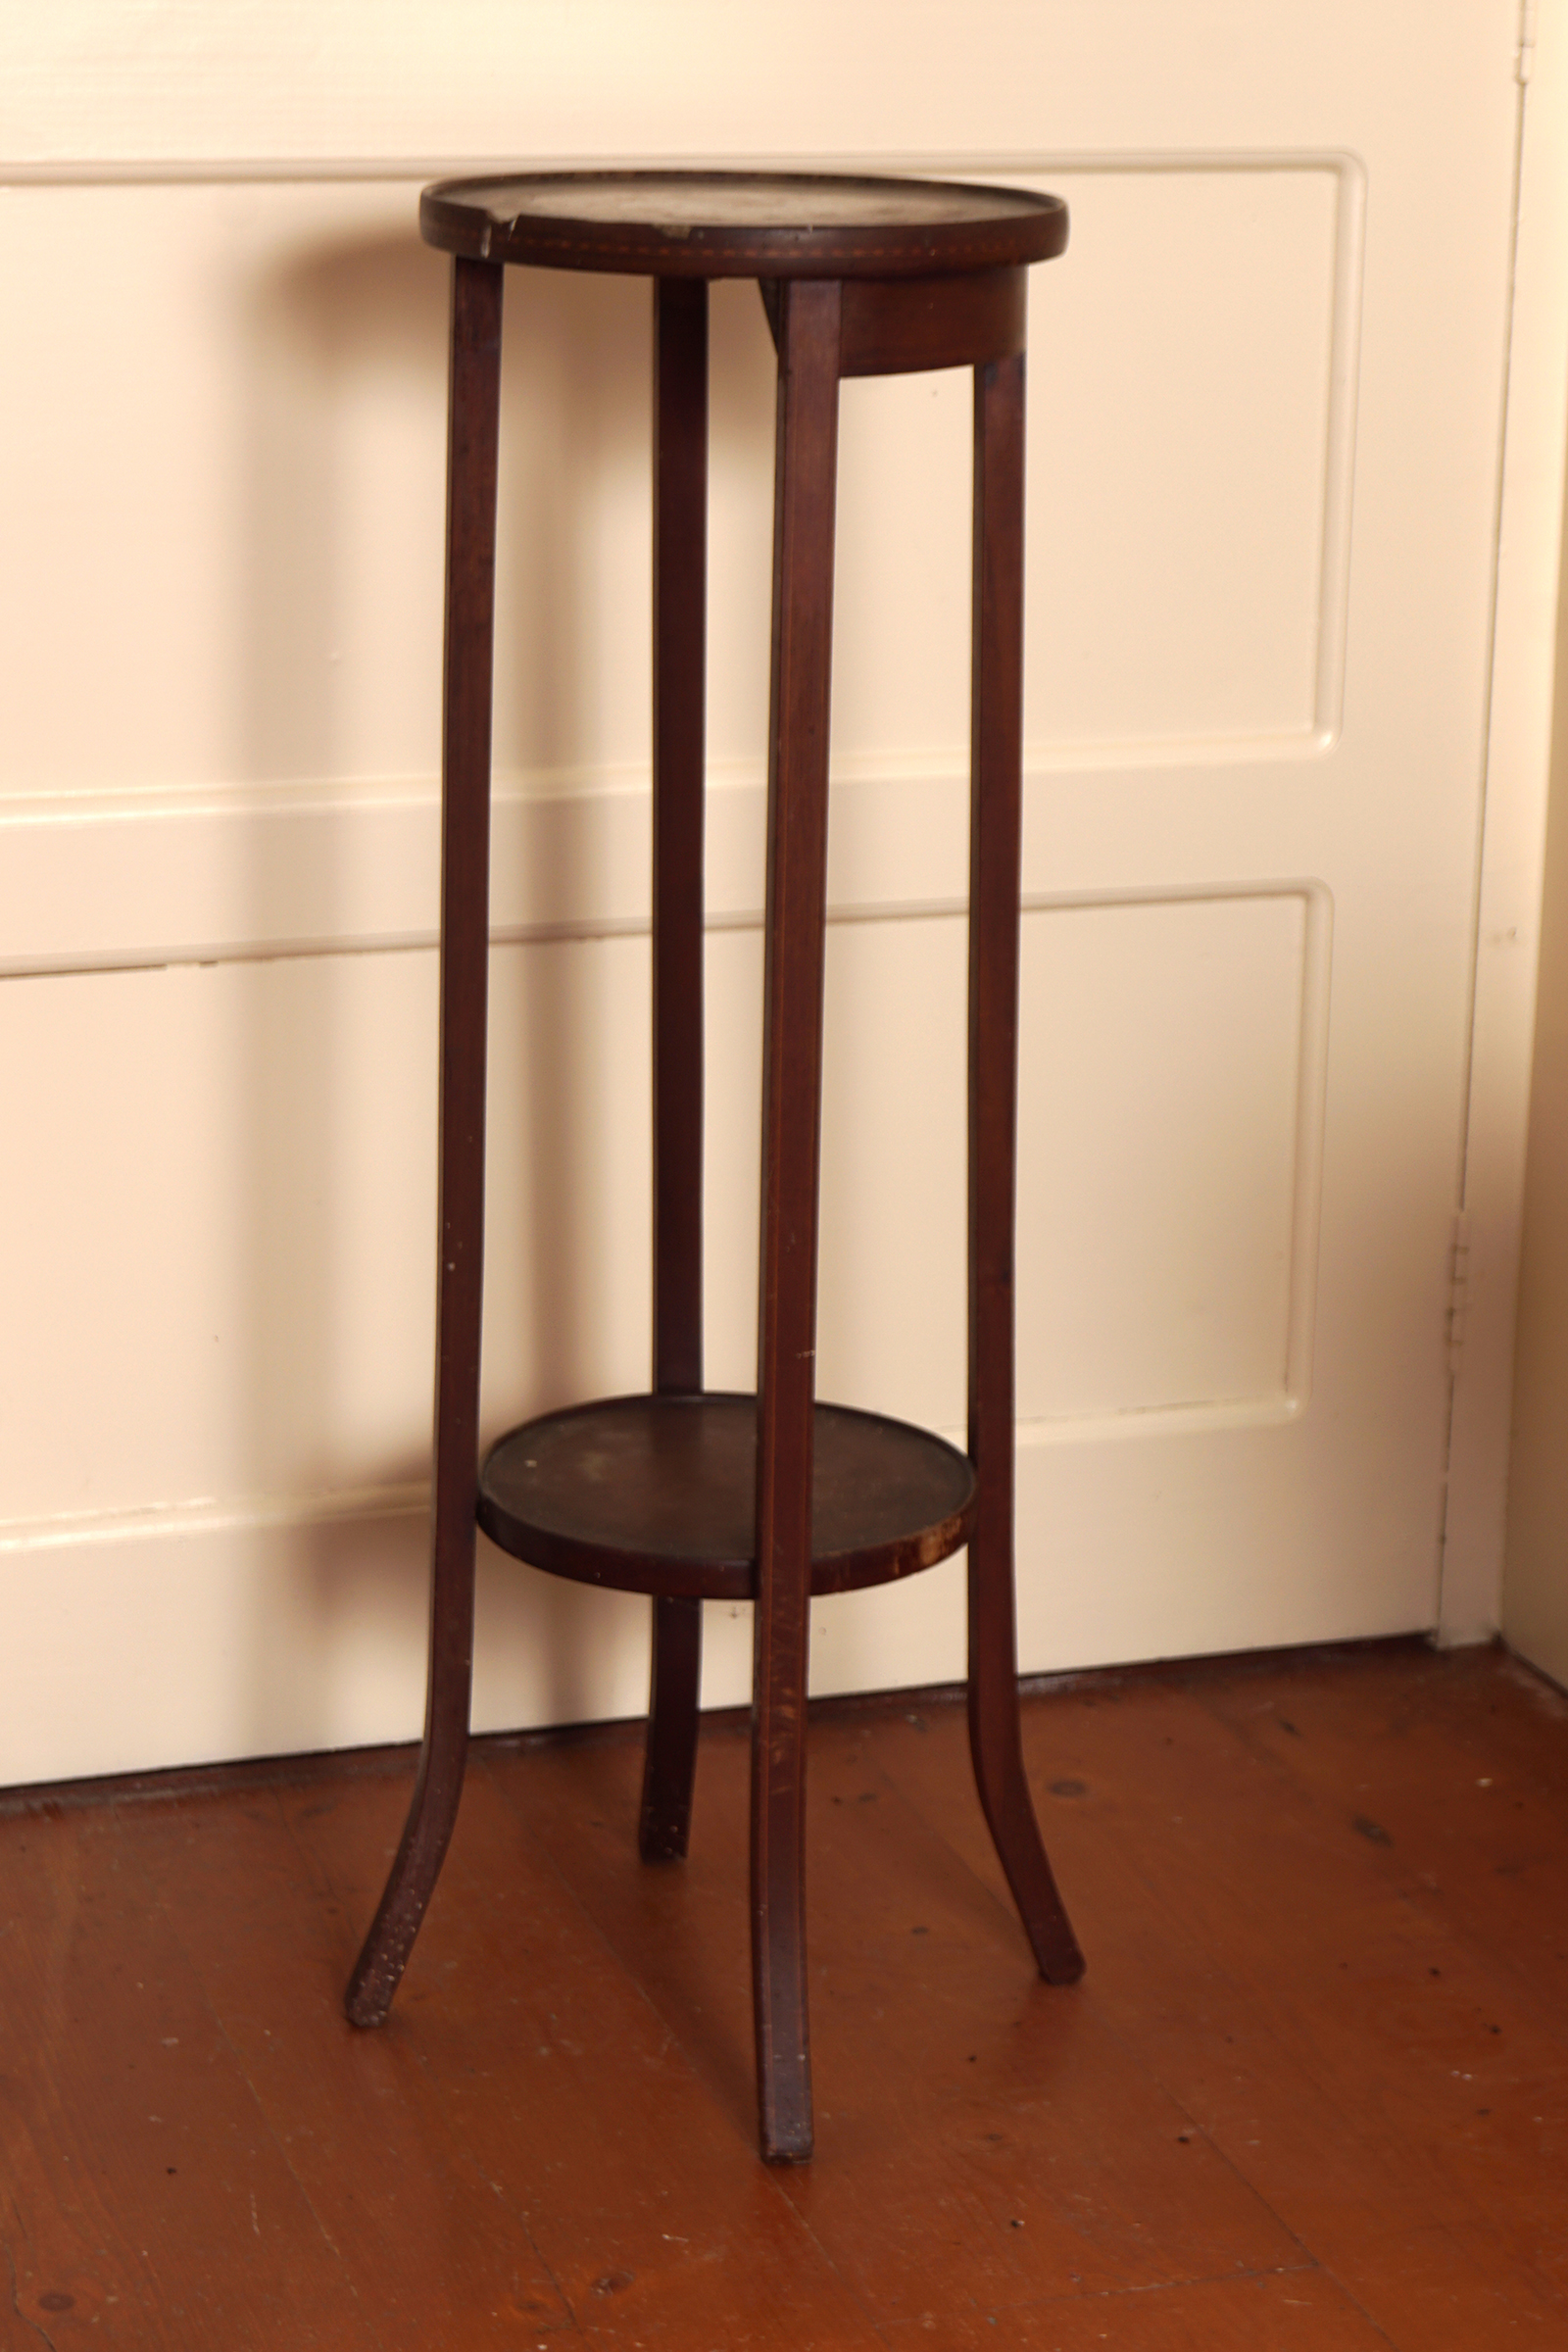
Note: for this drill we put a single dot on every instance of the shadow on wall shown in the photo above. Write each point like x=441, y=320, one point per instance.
x=342, y=527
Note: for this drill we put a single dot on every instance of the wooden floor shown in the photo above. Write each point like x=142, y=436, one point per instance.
x=1312, y=2094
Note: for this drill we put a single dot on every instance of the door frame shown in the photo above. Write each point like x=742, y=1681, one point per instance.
x=1491, y=1177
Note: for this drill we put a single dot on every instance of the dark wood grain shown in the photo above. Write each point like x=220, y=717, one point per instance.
x=670, y=1753
x=996, y=823
x=680, y=622
x=680, y=625
x=659, y=1493
x=804, y=490
x=472, y=450
x=895, y=327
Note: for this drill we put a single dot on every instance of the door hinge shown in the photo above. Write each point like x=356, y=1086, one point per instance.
x=1458, y=1288
x=1524, y=63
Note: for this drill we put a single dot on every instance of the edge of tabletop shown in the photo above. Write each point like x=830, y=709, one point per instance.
x=459, y=217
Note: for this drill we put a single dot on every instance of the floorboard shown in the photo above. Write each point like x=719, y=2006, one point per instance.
x=1313, y=2091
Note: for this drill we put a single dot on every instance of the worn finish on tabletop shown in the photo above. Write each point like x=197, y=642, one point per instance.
x=762, y=224
x=1312, y=2096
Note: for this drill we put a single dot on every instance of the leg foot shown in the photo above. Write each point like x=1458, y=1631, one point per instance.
x=379, y=1968
x=473, y=414
x=997, y=758
x=994, y=1744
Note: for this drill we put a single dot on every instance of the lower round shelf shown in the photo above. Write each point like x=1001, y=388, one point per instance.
x=657, y=1494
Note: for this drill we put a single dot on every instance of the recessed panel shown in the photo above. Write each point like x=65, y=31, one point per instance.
x=1189, y=462
x=1160, y=1155
x=219, y=1210
x=264, y=500
x=1167, y=1160
x=220, y=1218
x=891, y=1280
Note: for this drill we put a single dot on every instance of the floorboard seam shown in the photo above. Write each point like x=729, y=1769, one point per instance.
x=42, y=2333
x=1136, y=2057
x=1175, y=2286
x=1435, y=1916
x=1161, y=2287
x=314, y=1869
x=676, y=2040
x=1425, y=1901
x=1310, y=2261
x=1352, y=2298
x=1232, y=1927
x=263, y=2118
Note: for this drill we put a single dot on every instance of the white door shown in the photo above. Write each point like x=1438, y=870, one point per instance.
x=1266, y=413
x=1267, y=389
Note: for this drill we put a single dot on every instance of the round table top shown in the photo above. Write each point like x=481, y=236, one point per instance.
x=742, y=224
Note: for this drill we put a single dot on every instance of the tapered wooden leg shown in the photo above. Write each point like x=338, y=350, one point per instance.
x=465, y=947
x=680, y=620
x=806, y=460
x=669, y=1760
x=994, y=884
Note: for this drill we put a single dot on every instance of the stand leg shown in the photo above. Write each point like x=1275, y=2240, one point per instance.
x=994, y=884
x=669, y=1761
x=464, y=949
x=805, y=460
x=680, y=620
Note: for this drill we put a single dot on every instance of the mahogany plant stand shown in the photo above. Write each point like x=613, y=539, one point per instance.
x=683, y=1494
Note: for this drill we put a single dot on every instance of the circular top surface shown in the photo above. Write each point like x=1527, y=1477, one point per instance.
x=659, y=1493
x=742, y=224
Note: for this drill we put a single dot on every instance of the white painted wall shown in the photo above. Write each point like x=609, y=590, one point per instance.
x=1268, y=397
